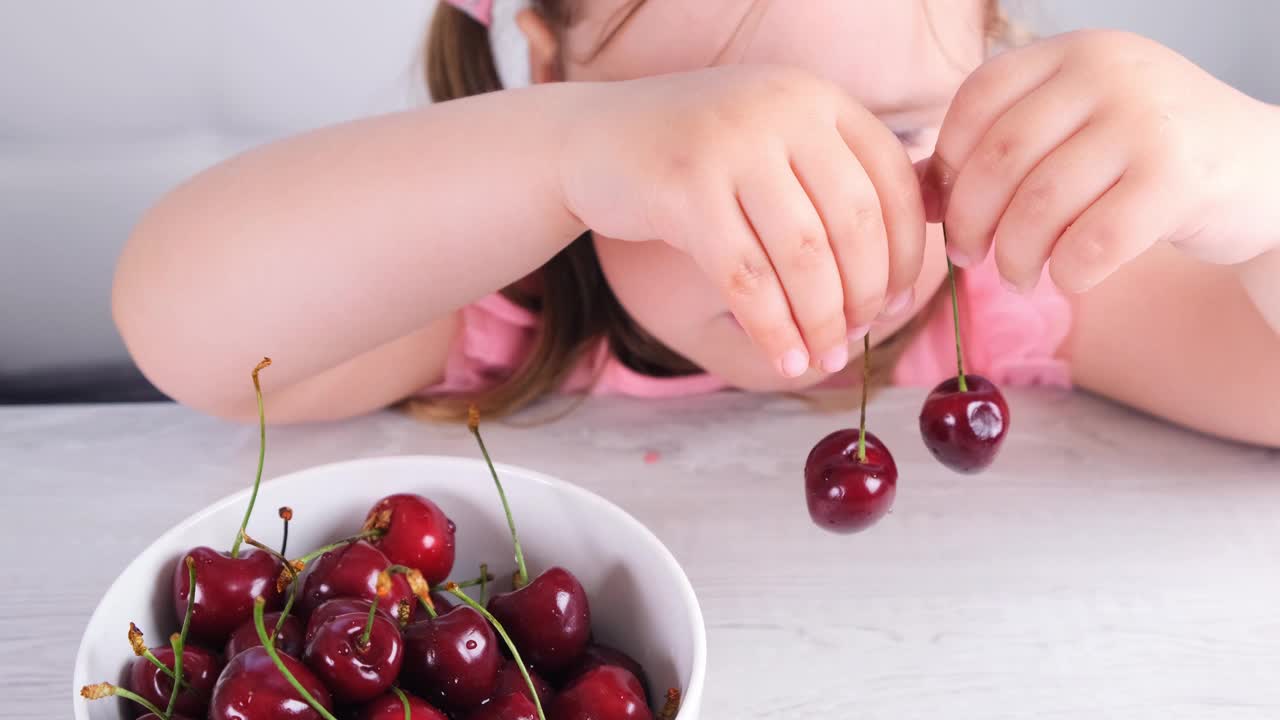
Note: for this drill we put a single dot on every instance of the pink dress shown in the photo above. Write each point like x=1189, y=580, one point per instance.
x=1011, y=339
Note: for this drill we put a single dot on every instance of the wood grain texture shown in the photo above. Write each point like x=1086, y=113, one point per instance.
x=1108, y=566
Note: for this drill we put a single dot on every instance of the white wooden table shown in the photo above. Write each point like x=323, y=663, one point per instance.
x=1107, y=567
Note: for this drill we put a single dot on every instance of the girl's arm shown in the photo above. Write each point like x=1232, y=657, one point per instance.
x=343, y=254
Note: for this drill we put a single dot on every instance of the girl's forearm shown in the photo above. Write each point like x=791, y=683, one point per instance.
x=318, y=248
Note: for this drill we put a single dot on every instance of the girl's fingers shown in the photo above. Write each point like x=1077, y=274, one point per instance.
x=851, y=213
x=1051, y=198
x=1014, y=144
x=795, y=239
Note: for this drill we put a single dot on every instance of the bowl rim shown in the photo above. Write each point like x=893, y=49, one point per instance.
x=697, y=675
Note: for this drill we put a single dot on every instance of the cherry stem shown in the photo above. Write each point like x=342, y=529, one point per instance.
x=371, y=534
x=955, y=316
x=262, y=455
x=363, y=643
x=288, y=568
x=286, y=514
x=515, y=654
x=139, y=645
x=258, y=604
x=102, y=690
x=484, y=584
x=179, y=642
x=473, y=423
x=866, y=375
x=408, y=714
x=485, y=577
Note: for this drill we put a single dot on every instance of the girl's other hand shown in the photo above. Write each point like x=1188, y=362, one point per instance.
x=799, y=204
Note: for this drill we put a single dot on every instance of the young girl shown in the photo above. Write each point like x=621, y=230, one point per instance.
x=695, y=196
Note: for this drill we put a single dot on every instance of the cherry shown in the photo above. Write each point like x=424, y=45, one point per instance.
x=549, y=618
x=351, y=571
x=200, y=670
x=510, y=680
x=964, y=419
x=357, y=656
x=596, y=655
x=253, y=688
x=417, y=534
x=452, y=659
x=333, y=608
x=98, y=691
x=289, y=640
x=391, y=707
x=605, y=693
x=511, y=706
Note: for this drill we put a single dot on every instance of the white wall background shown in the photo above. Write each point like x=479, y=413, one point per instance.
x=105, y=105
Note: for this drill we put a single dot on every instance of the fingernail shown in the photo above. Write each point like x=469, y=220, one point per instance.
x=794, y=363
x=898, y=304
x=859, y=332
x=834, y=360
x=958, y=258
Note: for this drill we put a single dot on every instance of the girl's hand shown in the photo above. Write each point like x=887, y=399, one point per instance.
x=797, y=202
x=1086, y=149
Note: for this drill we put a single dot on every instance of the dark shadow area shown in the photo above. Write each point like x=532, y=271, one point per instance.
x=77, y=385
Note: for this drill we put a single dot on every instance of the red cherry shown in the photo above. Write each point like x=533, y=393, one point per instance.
x=253, y=688
x=417, y=534
x=225, y=589
x=846, y=494
x=351, y=571
x=353, y=672
x=596, y=655
x=511, y=681
x=605, y=693
x=549, y=619
x=389, y=707
x=965, y=428
x=452, y=660
x=333, y=608
x=287, y=641
x=512, y=706
x=200, y=670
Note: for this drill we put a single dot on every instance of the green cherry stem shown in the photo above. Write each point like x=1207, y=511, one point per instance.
x=485, y=577
x=288, y=568
x=262, y=455
x=179, y=641
x=862, y=420
x=515, y=654
x=371, y=534
x=258, y=604
x=955, y=316
x=139, y=645
x=363, y=643
x=408, y=714
x=103, y=690
x=473, y=424
x=484, y=584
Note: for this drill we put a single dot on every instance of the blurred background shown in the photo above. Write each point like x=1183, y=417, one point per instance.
x=104, y=106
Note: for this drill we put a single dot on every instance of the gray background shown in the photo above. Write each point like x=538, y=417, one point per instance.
x=105, y=105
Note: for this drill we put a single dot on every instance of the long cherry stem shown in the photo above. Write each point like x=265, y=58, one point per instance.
x=139, y=644
x=262, y=455
x=515, y=654
x=473, y=423
x=103, y=690
x=363, y=643
x=485, y=577
x=484, y=584
x=180, y=643
x=289, y=570
x=408, y=713
x=955, y=316
x=862, y=419
x=371, y=534
x=258, y=604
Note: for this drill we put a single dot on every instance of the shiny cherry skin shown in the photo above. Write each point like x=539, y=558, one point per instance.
x=351, y=571
x=452, y=660
x=225, y=590
x=846, y=495
x=511, y=681
x=418, y=535
x=596, y=655
x=389, y=707
x=200, y=669
x=605, y=693
x=355, y=673
x=964, y=430
x=333, y=608
x=511, y=706
x=288, y=640
x=253, y=688
x=549, y=619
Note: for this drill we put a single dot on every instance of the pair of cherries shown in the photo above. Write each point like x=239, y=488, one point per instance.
x=850, y=476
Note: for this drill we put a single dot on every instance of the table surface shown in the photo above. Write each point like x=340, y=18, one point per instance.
x=1108, y=566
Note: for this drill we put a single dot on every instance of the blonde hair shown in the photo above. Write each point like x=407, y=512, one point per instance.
x=575, y=306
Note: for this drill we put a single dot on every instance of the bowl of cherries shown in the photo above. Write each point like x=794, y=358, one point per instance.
x=424, y=588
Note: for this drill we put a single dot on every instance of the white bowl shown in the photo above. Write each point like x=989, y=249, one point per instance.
x=641, y=600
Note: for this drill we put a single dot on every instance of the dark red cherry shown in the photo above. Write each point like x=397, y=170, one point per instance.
x=964, y=429
x=846, y=494
x=287, y=641
x=253, y=688
x=351, y=571
x=549, y=619
x=605, y=693
x=417, y=534
x=333, y=608
x=452, y=660
x=389, y=707
x=355, y=673
x=200, y=670
x=225, y=589
x=511, y=706
x=596, y=655
x=511, y=681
